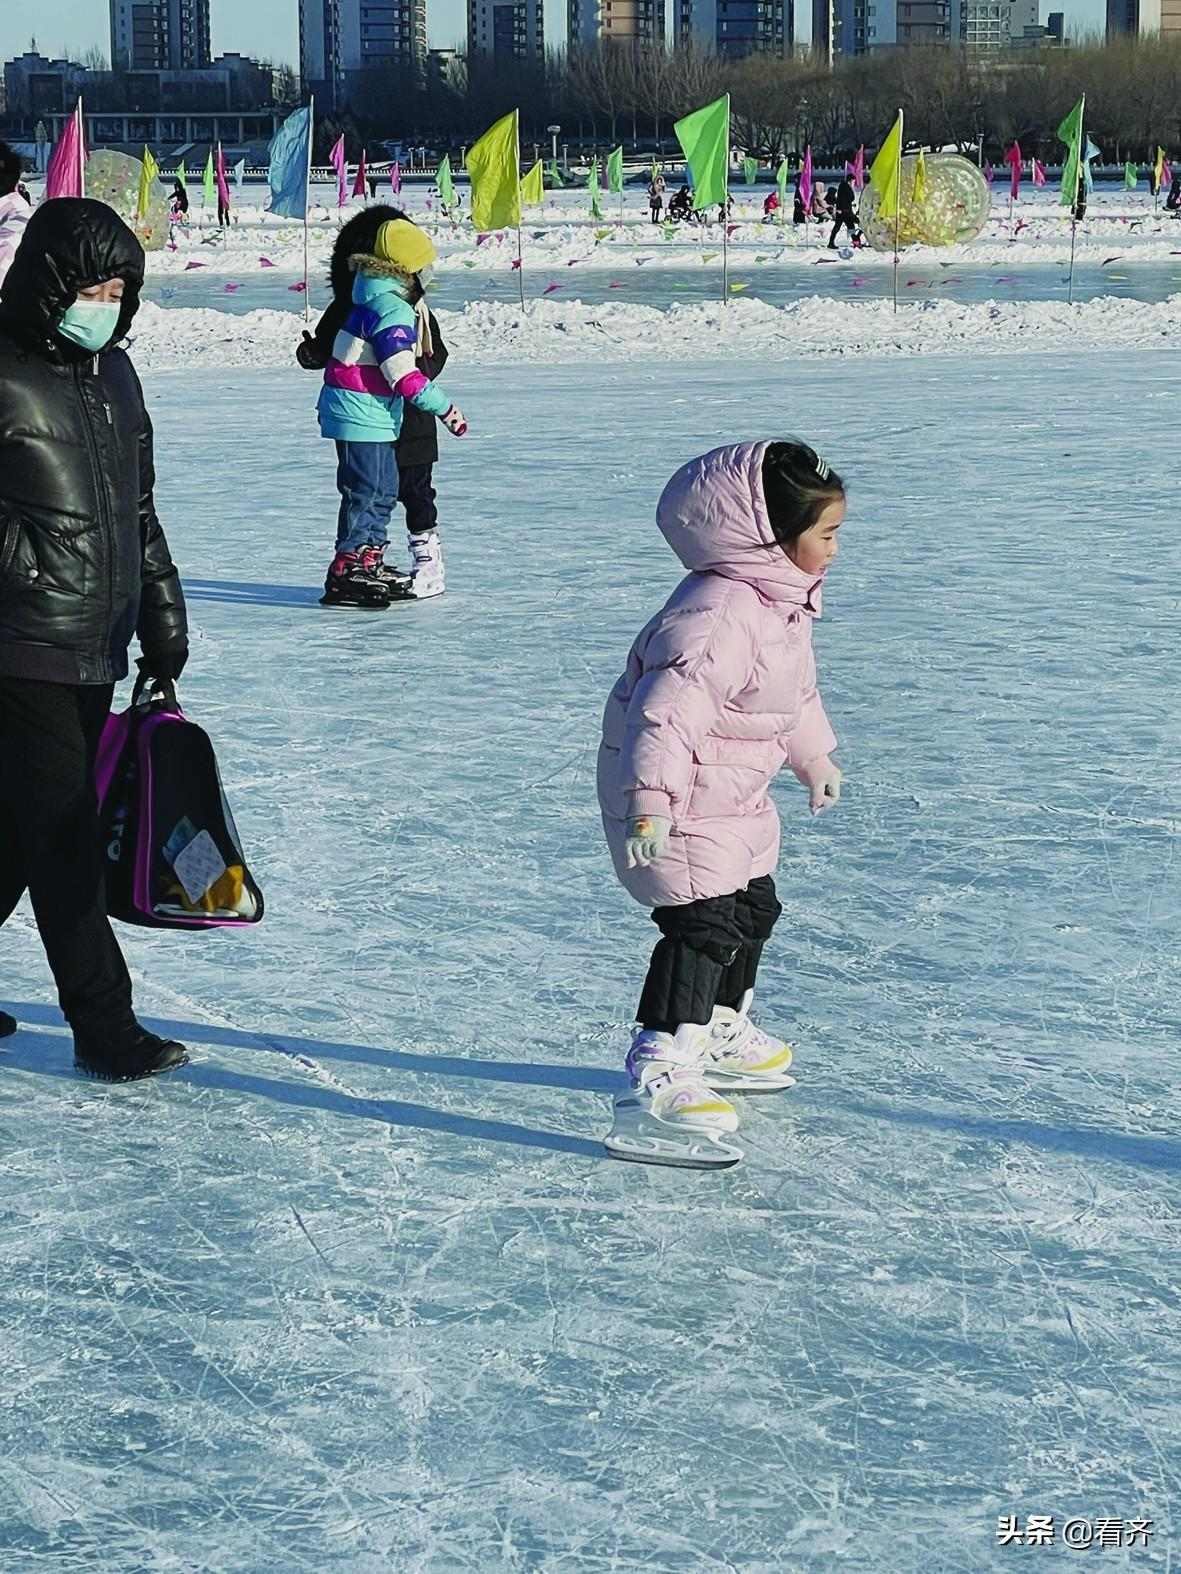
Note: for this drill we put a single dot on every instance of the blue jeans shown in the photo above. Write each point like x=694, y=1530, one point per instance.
x=367, y=478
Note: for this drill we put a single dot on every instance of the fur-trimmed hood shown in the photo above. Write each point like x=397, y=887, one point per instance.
x=378, y=268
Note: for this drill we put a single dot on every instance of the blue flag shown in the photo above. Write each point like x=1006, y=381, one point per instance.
x=290, y=154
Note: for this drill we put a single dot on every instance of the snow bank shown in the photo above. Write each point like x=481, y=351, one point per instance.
x=555, y=332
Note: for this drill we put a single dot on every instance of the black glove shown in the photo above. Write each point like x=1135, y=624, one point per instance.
x=165, y=666
x=309, y=354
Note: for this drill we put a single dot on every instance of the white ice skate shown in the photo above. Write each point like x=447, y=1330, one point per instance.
x=670, y=1114
x=426, y=567
x=741, y=1058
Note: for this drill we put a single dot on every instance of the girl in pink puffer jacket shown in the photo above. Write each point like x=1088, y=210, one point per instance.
x=719, y=693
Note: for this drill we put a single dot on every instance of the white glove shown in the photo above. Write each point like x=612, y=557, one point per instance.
x=453, y=420
x=825, y=792
x=647, y=838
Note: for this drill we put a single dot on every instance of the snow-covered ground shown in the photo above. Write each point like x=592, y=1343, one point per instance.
x=359, y=1291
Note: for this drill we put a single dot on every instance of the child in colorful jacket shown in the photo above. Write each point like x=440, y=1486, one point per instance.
x=372, y=370
x=14, y=207
x=718, y=694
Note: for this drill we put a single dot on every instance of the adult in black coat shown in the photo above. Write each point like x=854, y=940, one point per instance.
x=846, y=214
x=84, y=567
x=417, y=448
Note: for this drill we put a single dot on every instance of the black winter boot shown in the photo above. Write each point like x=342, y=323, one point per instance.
x=7, y=1025
x=396, y=580
x=350, y=584
x=126, y=1054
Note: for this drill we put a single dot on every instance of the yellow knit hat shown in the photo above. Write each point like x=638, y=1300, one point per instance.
x=405, y=246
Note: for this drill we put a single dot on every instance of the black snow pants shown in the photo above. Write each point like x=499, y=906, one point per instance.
x=709, y=955
x=417, y=497
x=50, y=842
x=846, y=221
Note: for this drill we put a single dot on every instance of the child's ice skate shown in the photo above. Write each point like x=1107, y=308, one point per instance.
x=373, y=561
x=670, y=1114
x=741, y=1058
x=349, y=584
x=426, y=555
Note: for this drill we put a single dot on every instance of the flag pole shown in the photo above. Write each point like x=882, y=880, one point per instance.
x=898, y=209
x=81, y=149
x=307, y=199
x=725, y=258
x=520, y=266
x=1078, y=175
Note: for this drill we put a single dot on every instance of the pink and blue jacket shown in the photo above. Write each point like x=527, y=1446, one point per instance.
x=719, y=692
x=372, y=368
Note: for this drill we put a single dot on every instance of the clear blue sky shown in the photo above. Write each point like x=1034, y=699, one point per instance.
x=270, y=28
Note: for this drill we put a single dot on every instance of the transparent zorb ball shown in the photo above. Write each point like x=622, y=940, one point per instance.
x=952, y=211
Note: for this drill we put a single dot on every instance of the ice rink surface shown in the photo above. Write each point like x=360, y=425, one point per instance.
x=358, y=1290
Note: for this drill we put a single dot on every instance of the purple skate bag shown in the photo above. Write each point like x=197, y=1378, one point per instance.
x=173, y=857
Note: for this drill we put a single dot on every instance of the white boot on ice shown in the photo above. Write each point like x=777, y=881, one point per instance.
x=742, y=1058
x=426, y=567
x=670, y=1114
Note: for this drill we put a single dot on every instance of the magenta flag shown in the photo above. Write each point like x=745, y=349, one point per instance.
x=396, y=179
x=63, y=175
x=1013, y=160
x=336, y=159
x=361, y=184
x=988, y=173
x=859, y=169
x=806, y=180
x=223, y=187
x=1039, y=173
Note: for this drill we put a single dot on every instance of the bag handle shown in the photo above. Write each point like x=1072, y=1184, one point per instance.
x=155, y=694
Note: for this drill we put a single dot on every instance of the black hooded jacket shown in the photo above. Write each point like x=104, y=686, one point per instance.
x=418, y=443
x=84, y=565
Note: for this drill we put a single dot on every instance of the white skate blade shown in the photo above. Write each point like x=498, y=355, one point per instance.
x=723, y=1081
x=697, y=1150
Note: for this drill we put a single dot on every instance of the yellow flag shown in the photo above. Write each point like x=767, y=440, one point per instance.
x=147, y=179
x=494, y=166
x=1159, y=167
x=920, y=180
x=533, y=187
x=884, y=171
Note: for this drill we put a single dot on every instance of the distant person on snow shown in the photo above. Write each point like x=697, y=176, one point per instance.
x=180, y=200
x=656, y=189
x=771, y=205
x=718, y=694
x=373, y=370
x=417, y=448
x=14, y=207
x=84, y=567
x=846, y=214
x=1173, y=200
x=821, y=206
x=799, y=214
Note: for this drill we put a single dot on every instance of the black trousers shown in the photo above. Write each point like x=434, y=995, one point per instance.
x=417, y=497
x=844, y=221
x=709, y=955
x=50, y=842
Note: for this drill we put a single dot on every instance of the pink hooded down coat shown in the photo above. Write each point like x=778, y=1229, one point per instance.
x=719, y=692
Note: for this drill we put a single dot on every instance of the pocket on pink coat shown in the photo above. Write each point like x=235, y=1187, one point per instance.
x=731, y=775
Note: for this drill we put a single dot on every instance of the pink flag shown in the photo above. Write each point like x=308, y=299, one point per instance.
x=1013, y=160
x=859, y=169
x=336, y=159
x=988, y=173
x=223, y=189
x=1039, y=173
x=396, y=179
x=63, y=176
x=361, y=184
x=806, y=180
x=1166, y=173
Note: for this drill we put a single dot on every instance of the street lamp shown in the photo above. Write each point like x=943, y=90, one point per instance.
x=553, y=131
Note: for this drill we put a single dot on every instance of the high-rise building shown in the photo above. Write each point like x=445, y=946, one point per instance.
x=505, y=29
x=635, y=22
x=341, y=40
x=922, y=22
x=738, y=27
x=1143, y=16
x=159, y=35
x=995, y=24
x=853, y=27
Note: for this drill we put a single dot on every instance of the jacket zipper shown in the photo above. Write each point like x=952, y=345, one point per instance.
x=92, y=449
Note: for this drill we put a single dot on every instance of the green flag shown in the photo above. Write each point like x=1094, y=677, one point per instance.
x=781, y=183
x=1131, y=176
x=615, y=171
x=207, y=182
x=444, y=182
x=555, y=177
x=1071, y=132
x=494, y=164
x=592, y=185
x=183, y=178
x=705, y=141
x=750, y=168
